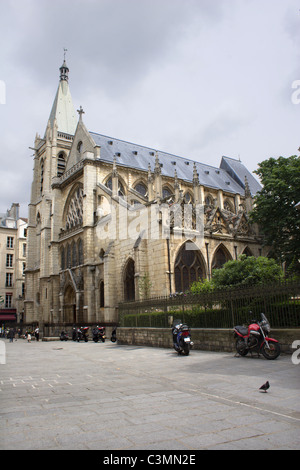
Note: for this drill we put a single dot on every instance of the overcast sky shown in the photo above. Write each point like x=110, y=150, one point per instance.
x=197, y=78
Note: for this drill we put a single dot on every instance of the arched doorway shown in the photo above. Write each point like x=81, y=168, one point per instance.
x=189, y=267
x=70, y=305
x=129, y=287
x=221, y=256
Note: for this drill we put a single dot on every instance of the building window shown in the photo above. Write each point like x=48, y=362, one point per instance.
x=129, y=288
x=42, y=176
x=75, y=210
x=8, y=300
x=8, y=280
x=24, y=250
x=80, y=252
x=61, y=164
x=141, y=188
x=62, y=254
x=10, y=242
x=220, y=258
x=9, y=261
x=101, y=294
x=74, y=255
x=23, y=268
x=121, y=190
x=189, y=267
x=166, y=192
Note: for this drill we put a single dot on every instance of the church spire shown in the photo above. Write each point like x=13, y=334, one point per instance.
x=64, y=70
x=63, y=110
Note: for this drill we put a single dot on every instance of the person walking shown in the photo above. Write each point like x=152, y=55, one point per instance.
x=11, y=335
x=37, y=333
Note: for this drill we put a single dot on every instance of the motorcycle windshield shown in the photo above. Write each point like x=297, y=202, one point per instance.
x=265, y=322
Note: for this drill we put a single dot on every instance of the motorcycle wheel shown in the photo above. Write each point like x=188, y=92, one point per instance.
x=186, y=350
x=86, y=340
x=96, y=340
x=241, y=347
x=272, y=352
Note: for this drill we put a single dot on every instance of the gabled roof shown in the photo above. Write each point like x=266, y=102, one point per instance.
x=239, y=172
x=137, y=156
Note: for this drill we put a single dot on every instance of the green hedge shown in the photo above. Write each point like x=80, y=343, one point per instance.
x=280, y=315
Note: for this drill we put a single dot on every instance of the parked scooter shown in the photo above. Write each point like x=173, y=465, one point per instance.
x=182, y=342
x=113, y=337
x=99, y=334
x=64, y=336
x=254, y=338
x=82, y=334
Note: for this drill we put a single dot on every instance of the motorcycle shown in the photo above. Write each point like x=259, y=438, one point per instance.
x=113, y=337
x=64, y=336
x=99, y=334
x=82, y=334
x=182, y=342
x=255, y=338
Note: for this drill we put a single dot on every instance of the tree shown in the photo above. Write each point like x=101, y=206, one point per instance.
x=275, y=208
x=247, y=270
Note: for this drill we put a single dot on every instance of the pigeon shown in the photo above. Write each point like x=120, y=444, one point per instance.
x=265, y=387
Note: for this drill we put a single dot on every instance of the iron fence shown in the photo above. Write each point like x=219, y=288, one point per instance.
x=223, y=308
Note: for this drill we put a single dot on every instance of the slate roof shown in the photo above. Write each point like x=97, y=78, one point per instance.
x=229, y=176
x=63, y=110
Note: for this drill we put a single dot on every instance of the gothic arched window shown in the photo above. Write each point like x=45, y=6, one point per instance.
x=188, y=198
x=75, y=210
x=141, y=188
x=121, y=190
x=42, y=176
x=221, y=256
x=62, y=257
x=68, y=256
x=74, y=255
x=129, y=287
x=166, y=192
x=101, y=293
x=189, y=267
x=80, y=252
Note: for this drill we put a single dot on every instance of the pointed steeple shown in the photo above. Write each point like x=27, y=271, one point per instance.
x=63, y=110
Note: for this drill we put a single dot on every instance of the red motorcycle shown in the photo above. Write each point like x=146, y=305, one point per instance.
x=254, y=338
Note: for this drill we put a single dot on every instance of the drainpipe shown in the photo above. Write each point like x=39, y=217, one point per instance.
x=169, y=264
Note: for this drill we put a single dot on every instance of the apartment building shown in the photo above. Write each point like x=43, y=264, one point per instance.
x=13, y=246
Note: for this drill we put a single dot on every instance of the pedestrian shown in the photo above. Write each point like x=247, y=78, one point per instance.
x=37, y=333
x=11, y=335
x=29, y=337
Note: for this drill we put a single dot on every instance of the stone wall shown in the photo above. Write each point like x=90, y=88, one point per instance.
x=204, y=339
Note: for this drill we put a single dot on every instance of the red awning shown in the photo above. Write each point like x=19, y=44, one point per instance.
x=7, y=318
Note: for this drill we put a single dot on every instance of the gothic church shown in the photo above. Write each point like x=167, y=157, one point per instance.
x=105, y=214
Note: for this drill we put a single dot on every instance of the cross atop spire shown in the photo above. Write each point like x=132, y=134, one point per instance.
x=64, y=70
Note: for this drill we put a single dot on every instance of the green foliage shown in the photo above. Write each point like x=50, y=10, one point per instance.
x=145, y=286
x=201, y=287
x=247, y=270
x=275, y=210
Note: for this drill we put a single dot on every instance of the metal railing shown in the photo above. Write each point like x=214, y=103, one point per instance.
x=223, y=308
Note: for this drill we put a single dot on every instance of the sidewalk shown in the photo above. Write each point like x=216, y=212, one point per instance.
x=67, y=395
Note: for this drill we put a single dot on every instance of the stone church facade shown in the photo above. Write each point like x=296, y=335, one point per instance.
x=107, y=217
